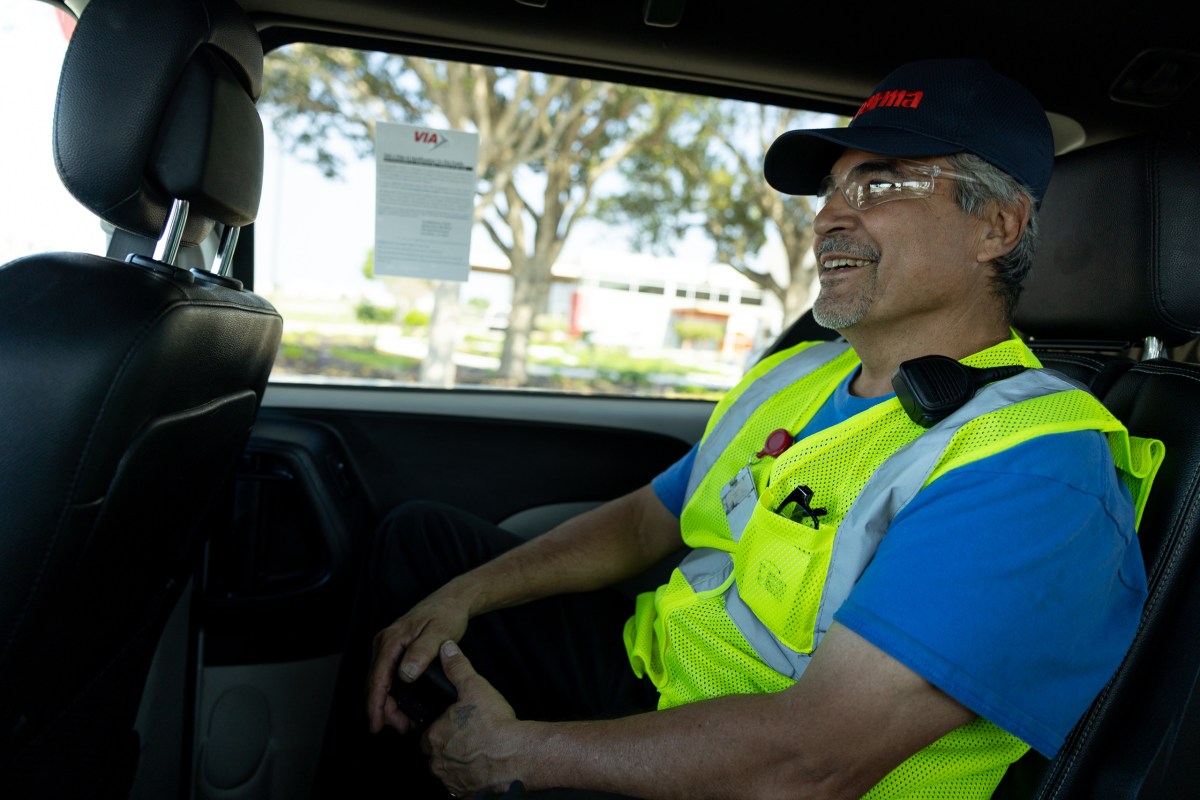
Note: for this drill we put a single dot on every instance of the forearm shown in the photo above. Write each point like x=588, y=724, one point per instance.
x=853, y=717
x=597, y=548
x=728, y=747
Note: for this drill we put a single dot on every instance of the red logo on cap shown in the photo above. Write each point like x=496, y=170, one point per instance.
x=891, y=99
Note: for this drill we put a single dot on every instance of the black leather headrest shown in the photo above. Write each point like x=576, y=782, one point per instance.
x=156, y=102
x=1117, y=260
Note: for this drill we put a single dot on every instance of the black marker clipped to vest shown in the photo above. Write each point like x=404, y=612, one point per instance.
x=930, y=388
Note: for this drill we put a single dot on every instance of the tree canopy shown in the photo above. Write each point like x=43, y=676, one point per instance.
x=708, y=176
x=545, y=142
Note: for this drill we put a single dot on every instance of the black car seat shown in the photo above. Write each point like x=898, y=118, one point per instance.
x=127, y=387
x=1116, y=274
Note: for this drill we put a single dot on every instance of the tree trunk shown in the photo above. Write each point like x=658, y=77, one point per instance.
x=531, y=289
x=438, y=368
x=798, y=295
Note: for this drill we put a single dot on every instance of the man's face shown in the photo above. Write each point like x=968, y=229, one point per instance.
x=901, y=263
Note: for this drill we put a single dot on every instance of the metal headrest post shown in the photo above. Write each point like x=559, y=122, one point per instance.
x=1152, y=348
x=223, y=263
x=168, y=244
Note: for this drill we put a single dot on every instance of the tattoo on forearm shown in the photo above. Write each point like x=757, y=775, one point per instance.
x=462, y=716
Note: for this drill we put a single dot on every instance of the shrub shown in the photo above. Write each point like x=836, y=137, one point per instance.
x=416, y=319
x=368, y=312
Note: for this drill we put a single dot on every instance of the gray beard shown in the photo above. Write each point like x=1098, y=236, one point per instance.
x=840, y=314
x=846, y=312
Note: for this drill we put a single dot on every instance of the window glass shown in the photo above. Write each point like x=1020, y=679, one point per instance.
x=37, y=213
x=623, y=239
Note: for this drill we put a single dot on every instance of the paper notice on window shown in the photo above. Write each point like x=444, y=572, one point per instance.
x=424, y=201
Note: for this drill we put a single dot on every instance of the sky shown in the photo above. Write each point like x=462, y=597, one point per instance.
x=36, y=212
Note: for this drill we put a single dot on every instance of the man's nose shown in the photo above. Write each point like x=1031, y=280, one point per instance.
x=834, y=214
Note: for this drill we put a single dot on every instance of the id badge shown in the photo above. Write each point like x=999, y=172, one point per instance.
x=739, y=497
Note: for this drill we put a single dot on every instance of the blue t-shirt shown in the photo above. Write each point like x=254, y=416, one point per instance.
x=1014, y=583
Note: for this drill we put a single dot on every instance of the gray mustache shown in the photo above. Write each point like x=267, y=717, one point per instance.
x=847, y=248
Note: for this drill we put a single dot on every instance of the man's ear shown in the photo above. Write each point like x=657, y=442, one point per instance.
x=1003, y=226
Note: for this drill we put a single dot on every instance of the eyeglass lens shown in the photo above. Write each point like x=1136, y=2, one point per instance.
x=871, y=183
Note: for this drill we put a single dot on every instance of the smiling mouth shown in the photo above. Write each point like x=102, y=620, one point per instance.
x=842, y=263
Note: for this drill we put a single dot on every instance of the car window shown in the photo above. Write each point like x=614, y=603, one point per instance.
x=621, y=239
x=38, y=213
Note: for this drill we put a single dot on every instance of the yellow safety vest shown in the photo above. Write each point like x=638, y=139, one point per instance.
x=746, y=608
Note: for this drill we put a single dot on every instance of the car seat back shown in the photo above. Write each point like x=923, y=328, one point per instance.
x=127, y=387
x=1115, y=274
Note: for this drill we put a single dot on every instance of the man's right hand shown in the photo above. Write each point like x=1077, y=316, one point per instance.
x=404, y=649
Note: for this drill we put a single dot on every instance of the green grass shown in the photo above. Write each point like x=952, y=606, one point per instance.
x=617, y=372
x=373, y=359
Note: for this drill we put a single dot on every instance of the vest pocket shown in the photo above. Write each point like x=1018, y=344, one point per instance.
x=780, y=567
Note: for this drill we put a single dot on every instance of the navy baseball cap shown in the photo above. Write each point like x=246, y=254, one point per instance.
x=928, y=108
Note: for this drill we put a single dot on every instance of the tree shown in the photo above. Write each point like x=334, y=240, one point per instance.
x=544, y=142
x=708, y=176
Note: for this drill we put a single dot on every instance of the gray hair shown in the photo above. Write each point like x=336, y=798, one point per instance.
x=973, y=197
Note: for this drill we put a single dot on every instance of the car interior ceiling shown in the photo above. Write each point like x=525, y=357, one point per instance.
x=1074, y=63
x=1113, y=282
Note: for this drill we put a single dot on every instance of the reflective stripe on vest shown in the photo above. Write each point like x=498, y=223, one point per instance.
x=780, y=377
x=886, y=493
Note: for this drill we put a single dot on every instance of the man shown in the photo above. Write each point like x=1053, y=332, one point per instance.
x=873, y=601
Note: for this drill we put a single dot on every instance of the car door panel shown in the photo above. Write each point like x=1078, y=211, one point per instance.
x=322, y=467
x=316, y=479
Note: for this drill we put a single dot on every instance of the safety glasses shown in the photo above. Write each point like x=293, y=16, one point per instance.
x=871, y=183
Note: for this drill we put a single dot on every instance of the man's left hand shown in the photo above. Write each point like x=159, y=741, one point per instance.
x=473, y=745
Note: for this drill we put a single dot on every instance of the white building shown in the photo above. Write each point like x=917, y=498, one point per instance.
x=639, y=301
